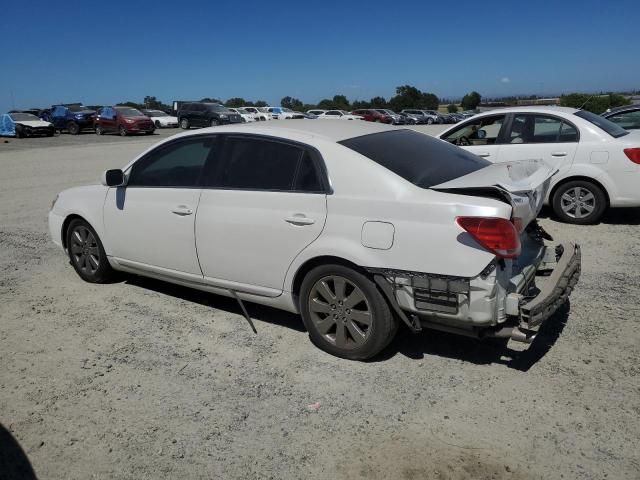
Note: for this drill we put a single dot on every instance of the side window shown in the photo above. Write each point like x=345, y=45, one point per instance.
x=257, y=164
x=59, y=112
x=479, y=131
x=540, y=129
x=307, y=178
x=627, y=120
x=176, y=165
x=332, y=112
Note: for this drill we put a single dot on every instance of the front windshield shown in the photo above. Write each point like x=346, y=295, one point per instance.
x=129, y=112
x=607, y=125
x=287, y=110
x=23, y=117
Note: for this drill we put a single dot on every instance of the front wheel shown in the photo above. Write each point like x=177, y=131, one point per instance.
x=73, y=128
x=345, y=313
x=123, y=131
x=214, y=122
x=87, y=254
x=158, y=125
x=580, y=202
x=429, y=121
x=99, y=130
x=184, y=123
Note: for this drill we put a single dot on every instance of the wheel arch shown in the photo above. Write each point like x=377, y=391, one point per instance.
x=314, y=262
x=65, y=227
x=583, y=178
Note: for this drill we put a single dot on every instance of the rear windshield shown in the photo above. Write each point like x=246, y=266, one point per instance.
x=601, y=122
x=77, y=108
x=421, y=159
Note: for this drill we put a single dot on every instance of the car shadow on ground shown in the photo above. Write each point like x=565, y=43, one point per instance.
x=256, y=312
x=482, y=352
x=613, y=216
x=415, y=346
x=14, y=464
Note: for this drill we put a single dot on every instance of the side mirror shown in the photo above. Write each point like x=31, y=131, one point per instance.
x=481, y=133
x=113, y=178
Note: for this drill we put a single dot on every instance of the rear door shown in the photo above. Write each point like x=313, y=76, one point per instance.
x=480, y=136
x=266, y=203
x=149, y=224
x=537, y=136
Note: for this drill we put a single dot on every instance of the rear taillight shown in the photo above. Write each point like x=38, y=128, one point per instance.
x=497, y=235
x=633, y=154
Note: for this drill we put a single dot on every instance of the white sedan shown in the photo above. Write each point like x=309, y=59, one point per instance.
x=260, y=113
x=597, y=161
x=161, y=119
x=339, y=115
x=356, y=226
x=246, y=116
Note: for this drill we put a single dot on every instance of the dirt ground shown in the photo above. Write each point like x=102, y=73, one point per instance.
x=142, y=379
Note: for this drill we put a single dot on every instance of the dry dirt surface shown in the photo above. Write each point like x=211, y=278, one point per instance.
x=141, y=379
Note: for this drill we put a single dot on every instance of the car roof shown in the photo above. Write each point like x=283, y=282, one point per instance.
x=532, y=109
x=331, y=131
x=623, y=108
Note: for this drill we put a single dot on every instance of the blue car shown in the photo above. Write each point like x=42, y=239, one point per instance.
x=73, y=117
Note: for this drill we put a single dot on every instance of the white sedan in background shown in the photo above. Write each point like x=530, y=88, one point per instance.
x=260, y=113
x=597, y=161
x=246, y=116
x=161, y=119
x=339, y=115
x=356, y=226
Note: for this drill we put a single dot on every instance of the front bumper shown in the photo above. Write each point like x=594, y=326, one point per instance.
x=555, y=291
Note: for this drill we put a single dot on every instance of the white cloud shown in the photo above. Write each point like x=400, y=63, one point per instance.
x=505, y=80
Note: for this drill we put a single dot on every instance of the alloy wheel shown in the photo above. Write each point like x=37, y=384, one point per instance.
x=578, y=202
x=340, y=311
x=84, y=250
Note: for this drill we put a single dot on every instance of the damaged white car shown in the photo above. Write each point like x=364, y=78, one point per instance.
x=356, y=226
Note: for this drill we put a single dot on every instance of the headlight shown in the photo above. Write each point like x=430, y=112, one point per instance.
x=222, y=115
x=79, y=115
x=128, y=120
x=53, y=204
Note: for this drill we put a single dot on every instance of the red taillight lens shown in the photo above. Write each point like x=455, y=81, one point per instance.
x=633, y=154
x=495, y=234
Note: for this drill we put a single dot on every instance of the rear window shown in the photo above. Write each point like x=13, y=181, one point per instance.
x=602, y=123
x=422, y=160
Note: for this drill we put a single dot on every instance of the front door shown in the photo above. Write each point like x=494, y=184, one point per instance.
x=264, y=206
x=479, y=136
x=150, y=222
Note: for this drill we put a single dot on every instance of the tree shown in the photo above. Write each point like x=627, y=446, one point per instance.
x=430, y=101
x=211, y=100
x=340, y=102
x=261, y=103
x=378, y=102
x=593, y=103
x=358, y=104
x=471, y=101
x=290, y=102
x=451, y=108
x=235, y=102
x=326, y=104
x=407, y=96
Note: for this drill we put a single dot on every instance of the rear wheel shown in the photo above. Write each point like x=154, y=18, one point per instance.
x=99, y=130
x=73, y=128
x=580, y=202
x=184, y=123
x=158, y=124
x=87, y=254
x=345, y=313
x=123, y=131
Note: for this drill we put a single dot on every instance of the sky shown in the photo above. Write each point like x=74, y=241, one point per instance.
x=109, y=52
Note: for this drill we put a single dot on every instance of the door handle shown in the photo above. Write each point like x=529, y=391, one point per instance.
x=484, y=154
x=558, y=154
x=299, y=219
x=182, y=210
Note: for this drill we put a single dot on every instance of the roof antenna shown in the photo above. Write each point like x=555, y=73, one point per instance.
x=587, y=101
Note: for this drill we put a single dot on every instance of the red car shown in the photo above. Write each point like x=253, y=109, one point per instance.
x=371, y=115
x=123, y=120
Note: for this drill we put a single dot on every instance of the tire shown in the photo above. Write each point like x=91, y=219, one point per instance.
x=19, y=133
x=339, y=328
x=99, y=130
x=590, y=205
x=214, y=122
x=184, y=123
x=73, y=128
x=150, y=132
x=87, y=254
x=429, y=121
x=122, y=131
x=158, y=124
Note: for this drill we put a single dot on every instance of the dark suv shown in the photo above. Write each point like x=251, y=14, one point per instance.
x=200, y=114
x=72, y=117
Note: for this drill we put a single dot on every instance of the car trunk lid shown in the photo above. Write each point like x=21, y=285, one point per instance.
x=523, y=184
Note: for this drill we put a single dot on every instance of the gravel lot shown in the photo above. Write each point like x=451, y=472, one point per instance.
x=142, y=379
